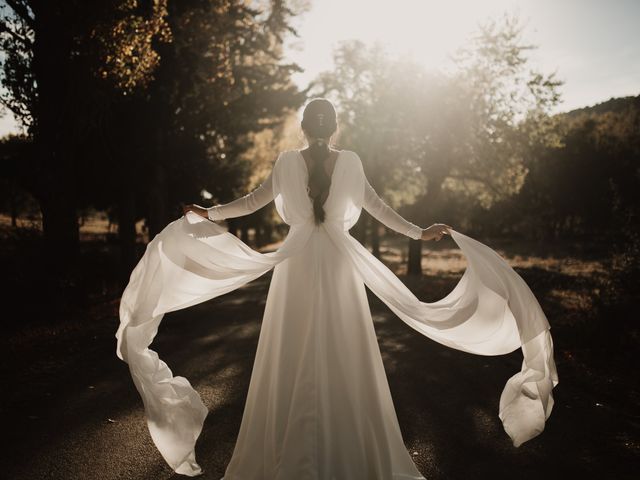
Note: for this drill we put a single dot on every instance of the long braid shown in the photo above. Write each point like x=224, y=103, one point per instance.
x=319, y=181
x=319, y=121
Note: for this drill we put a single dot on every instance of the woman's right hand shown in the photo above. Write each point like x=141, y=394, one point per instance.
x=196, y=209
x=436, y=231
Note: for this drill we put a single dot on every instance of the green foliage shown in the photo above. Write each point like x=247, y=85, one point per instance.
x=509, y=107
x=588, y=183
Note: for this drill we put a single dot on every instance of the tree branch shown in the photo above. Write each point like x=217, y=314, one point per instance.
x=5, y=29
x=22, y=11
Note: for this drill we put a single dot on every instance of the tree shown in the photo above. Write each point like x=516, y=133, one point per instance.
x=364, y=86
x=50, y=49
x=501, y=105
x=466, y=132
x=140, y=104
x=222, y=79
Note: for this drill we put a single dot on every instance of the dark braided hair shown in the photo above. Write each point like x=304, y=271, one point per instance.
x=319, y=121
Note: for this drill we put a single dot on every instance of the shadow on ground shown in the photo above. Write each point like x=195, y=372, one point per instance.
x=73, y=412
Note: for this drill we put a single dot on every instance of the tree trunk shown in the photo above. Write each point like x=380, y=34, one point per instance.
x=358, y=230
x=127, y=234
x=157, y=208
x=268, y=233
x=60, y=228
x=244, y=233
x=424, y=209
x=414, y=262
x=375, y=238
x=263, y=234
x=57, y=182
x=14, y=210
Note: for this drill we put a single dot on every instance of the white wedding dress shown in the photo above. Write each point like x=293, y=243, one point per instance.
x=318, y=405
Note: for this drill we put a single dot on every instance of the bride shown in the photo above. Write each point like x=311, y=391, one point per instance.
x=318, y=404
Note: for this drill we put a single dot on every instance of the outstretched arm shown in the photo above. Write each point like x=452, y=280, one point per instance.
x=392, y=219
x=388, y=216
x=251, y=202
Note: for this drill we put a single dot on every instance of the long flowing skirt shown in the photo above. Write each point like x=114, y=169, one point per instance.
x=318, y=404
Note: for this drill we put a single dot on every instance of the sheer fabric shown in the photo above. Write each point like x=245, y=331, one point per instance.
x=251, y=202
x=288, y=434
x=262, y=195
x=386, y=215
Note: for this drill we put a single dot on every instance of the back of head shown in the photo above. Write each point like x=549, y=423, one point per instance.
x=319, y=121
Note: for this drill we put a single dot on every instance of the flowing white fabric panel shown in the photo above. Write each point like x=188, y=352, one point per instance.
x=190, y=261
x=491, y=311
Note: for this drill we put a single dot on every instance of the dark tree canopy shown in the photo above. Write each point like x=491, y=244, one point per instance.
x=119, y=96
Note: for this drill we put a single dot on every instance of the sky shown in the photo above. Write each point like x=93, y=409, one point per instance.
x=592, y=45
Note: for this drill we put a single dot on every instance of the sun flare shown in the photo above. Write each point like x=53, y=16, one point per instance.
x=427, y=31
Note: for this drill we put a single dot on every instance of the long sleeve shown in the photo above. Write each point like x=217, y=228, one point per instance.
x=388, y=216
x=251, y=202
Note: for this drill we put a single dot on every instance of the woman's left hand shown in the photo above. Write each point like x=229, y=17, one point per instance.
x=197, y=209
x=436, y=231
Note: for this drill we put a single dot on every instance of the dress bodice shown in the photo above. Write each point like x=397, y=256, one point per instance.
x=346, y=192
x=349, y=193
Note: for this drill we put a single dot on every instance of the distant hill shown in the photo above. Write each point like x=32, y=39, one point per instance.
x=613, y=105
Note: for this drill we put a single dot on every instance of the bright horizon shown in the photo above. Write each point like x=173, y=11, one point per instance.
x=593, y=46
